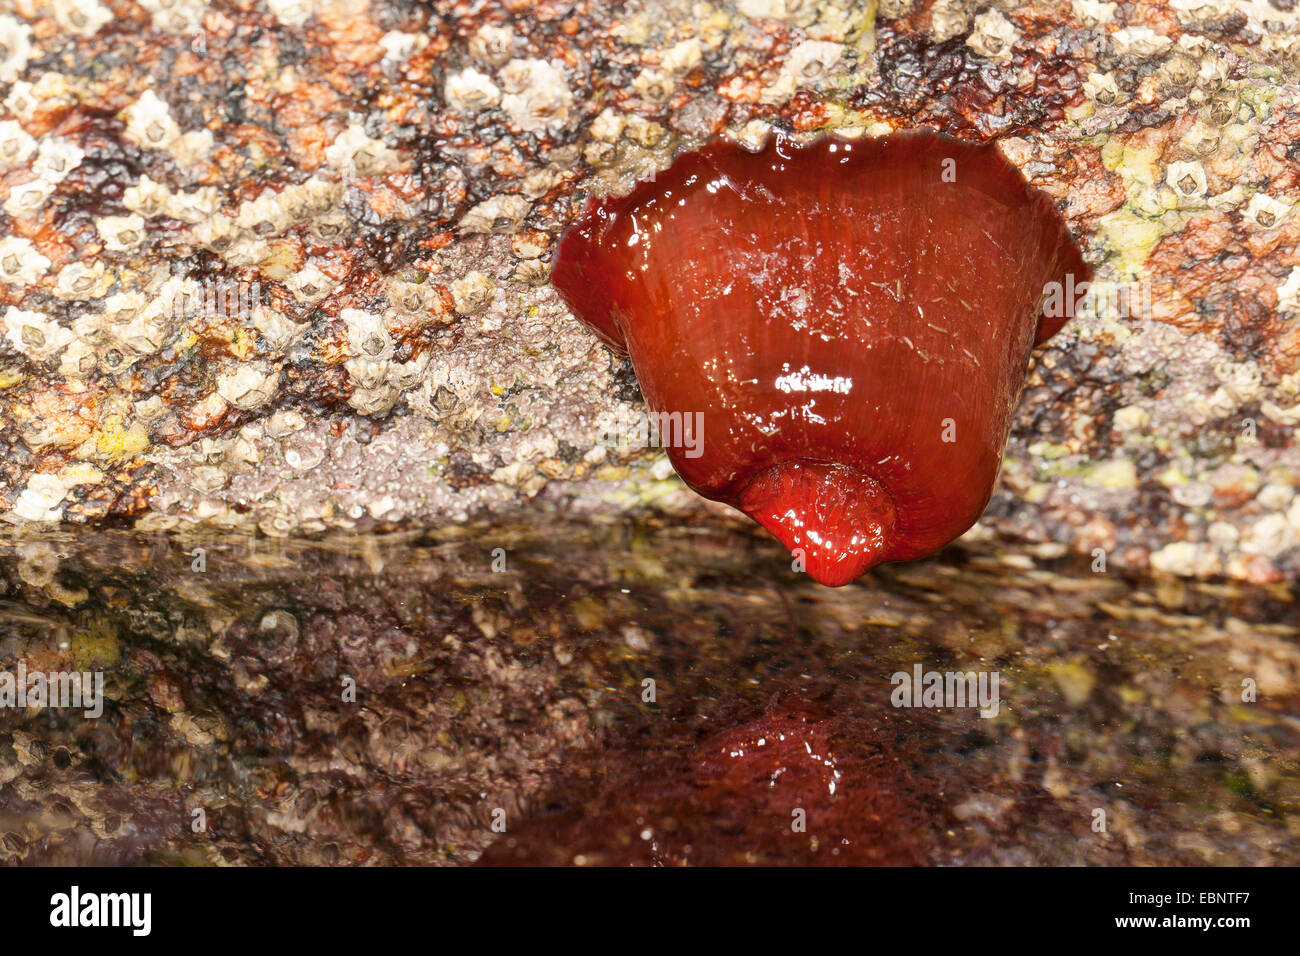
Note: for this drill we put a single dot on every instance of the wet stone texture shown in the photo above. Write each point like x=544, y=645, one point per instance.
x=280, y=265
x=572, y=695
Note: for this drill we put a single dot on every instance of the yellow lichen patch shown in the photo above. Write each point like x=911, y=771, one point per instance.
x=114, y=440
x=1135, y=159
x=1117, y=475
x=1132, y=237
x=243, y=344
x=80, y=473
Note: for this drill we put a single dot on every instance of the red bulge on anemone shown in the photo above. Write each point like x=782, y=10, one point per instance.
x=850, y=322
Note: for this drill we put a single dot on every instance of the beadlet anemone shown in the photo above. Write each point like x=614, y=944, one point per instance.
x=852, y=321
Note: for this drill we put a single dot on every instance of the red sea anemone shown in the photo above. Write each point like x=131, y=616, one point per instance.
x=850, y=322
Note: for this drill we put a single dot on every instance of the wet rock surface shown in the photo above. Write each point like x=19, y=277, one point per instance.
x=633, y=692
x=282, y=265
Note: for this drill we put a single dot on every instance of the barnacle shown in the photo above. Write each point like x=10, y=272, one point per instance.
x=353, y=153
x=491, y=45
x=471, y=89
x=537, y=97
x=368, y=337
x=993, y=36
x=81, y=17
x=147, y=198
x=248, y=386
x=57, y=158
x=21, y=263
x=35, y=334
x=309, y=284
x=149, y=122
x=121, y=233
x=16, y=146
x=176, y=16
x=472, y=293
x=275, y=327
x=367, y=373
x=1267, y=211
x=28, y=198
x=194, y=207
x=499, y=214
x=15, y=48
x=373, y=401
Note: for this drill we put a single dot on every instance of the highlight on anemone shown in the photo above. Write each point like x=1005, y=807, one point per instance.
x=851, y=321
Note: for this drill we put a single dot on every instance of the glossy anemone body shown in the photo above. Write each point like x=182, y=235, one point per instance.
x=853, y=319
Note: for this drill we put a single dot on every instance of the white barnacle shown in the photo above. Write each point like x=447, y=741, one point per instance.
x=264, y=216
x=353, y=153
x=28, y=198
x=654, y=86
x=368, y=336
x=149, y=122
x=80, y=282
x=22, y=100
x=472, y=293
x=16, y=145
x=471, y=90
x=21, y=263
x=1288, y=293
x=373, y=401
x=1092, y=13
x=35, y=334
x=217, y=233
x=993, y=36
x=122, y=307
x=812, y=59
x=79, y=360
x=41, y=499
x=247, y=250
x=82, y=18
x=147, y=198
x=1102, y=88
x=397, y=45
x=176, y=297
x=682, y=57
x=404, y=376
x=192, y=147
x=1266, y=211
x=176, y=16
x=90, y=328
x=537, y=97
x=248, y=386
x=57, y=158
x=491, y=45
x=309, y=284
x=1140, y=42
x=500, y=214
x=275, y=327
x=15, y=47
x=191, y=207
x=1187, y=179
x=1201, y=11
x=366, y=373
x=315, y=197
x=809, y=62
x=121, y=233
x=292, y=13
x=144, y=334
